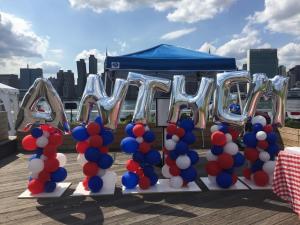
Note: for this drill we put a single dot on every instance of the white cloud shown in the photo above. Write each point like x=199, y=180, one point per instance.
x=56, y=53
x=49, y=67
x=189, y=11
x=122, y=44
x=177, y=33
x=281, y=16
x=289, y=54
x=207, y=47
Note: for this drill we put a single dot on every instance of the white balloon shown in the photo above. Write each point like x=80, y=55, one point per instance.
x=36, y=165
x=214, y=128
x=176, y=182
x=165, y=171
x=62, y=159
x=228, y=138
x=259, y=119
x=210, y=156
x=147, y=128
x=34, y=175
x=264, y=156
x=46, y=134
x=212, y=179
x=260, y=149
x=261, y=135
x=81, y=159
x=269, y=167
x=170, y=144
x=43, y=157
x=109, y=180
x=101, y=172
x=183, y=162
x=139, y=140
x=231, y=148
x=41, y=141
x=175, y=138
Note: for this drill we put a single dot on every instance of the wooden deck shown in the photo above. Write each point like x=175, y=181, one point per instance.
x=208, y=207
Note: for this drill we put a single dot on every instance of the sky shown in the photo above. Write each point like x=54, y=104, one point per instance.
x=53, y=34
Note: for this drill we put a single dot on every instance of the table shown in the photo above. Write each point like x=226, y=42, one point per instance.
x=286, y=183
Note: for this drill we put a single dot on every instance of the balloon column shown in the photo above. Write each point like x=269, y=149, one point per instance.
x=260, y=152
x=180, y=159
x=93, y=156
x=45, y=165
x=224, y=156
x=144, y=158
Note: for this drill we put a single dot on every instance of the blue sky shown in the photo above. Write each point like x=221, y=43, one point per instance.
x=54, y=33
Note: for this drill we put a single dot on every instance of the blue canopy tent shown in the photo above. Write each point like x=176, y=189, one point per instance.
x=169, y=58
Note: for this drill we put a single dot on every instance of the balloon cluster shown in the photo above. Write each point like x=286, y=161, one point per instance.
x=179, y=157
x=93, y=156
x=224, y=156
x=235, y=108
x=46, y=165
x=260, y=151
x=144, y=158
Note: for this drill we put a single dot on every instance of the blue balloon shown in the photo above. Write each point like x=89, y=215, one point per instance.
x=36, y=132
x=149, y=136
x=229, y=171
x=95, y=184
x=181, y=148
x=153, y=179
x=189, y=138
x=256, y=166
x=217, y=150
x=39, y=152
x=173, y=155
x=59, y=175
x=128, y=129
x=223, y=128
x=105, y=161
x=257, y=127
x=169, y=136
x=273, y=149
x=189, y=174
x=138, y=157
x=250, y=139
x=130, y=180
x=107, y=136
x=92, y=154
x=193, y=155
x=148, y=170
x=186, y=124
x=129, y=145
x=271, y=138
x=80, y=133
x=224, y=180
x=99, y=121
x=50, y=186
x=34, y=156
x=239, y=159
x=153, y=157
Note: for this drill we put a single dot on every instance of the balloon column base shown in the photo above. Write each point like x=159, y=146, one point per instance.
x=107, y=189
x=58, y=192
x=162, y=186
x=253, y=186
x=214, y=187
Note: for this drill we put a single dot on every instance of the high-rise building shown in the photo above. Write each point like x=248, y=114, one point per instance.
x=244, y=66
x=82, y=75
x=10, y=80
x=262, y=61
x=28, y=76
x=282, y=70
x=294, y=75
x=93, y=65
x=66, y=84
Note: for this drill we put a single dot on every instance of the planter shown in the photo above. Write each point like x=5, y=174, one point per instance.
x=288, y=137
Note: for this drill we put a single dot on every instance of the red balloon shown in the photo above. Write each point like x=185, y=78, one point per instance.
x=35, y=186
x=103, y=149
x=174, y=170
x=212, y=168
x=90, y=169
x=218, y=138
x=185, y=183
x=247, y=173
x=263, y=144
x=140, y=172
x=144, y=182
x=234, y=178
x=138, y=130
x=225, y=161
x=144, y=147
x=50, y=151
x=82, y=146
x=56, y=139
x=132, y=165
x=93, y=128
x=171, y=129
x=44, y=176
x=268, y=128
x=95, y=141
x=48, y=128
x=170, y=162
x=29, y=143
x=85, y=183
x=180, y=132
x=261, y=178
x=251, y=154
x=51, y=165
x=234, y=133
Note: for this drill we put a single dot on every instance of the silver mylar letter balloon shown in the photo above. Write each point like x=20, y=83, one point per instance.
x=198, y=103
x=108, y=107
x=224, y=82
x=28, y=113
x=148, y=85
x=279, y=95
